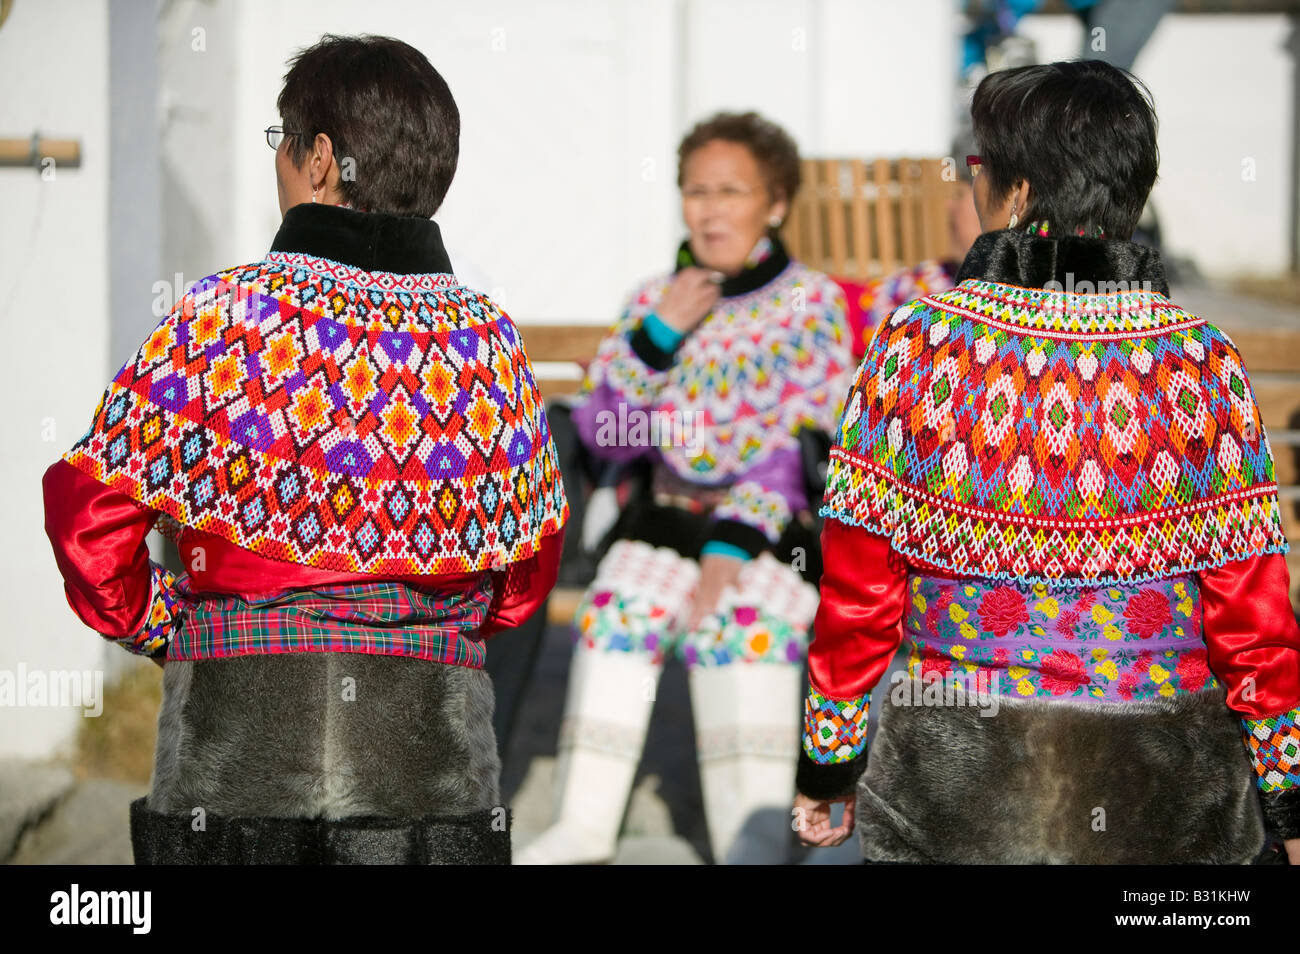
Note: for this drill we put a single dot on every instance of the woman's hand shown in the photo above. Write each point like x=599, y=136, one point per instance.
x=813, y=820
x=717, y=572
x=1293, y=850
x=690, y=297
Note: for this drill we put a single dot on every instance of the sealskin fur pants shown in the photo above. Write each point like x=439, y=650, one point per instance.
x=1056, y=782
x=323, y=758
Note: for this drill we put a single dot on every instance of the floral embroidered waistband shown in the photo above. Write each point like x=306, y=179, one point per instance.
x=1105, y=644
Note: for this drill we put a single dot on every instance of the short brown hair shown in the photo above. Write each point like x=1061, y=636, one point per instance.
x=771, y=146
x=384, y=106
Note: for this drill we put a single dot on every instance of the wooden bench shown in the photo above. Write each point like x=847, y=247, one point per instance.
x=862, y=219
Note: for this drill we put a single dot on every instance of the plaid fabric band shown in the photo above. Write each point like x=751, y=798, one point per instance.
x=386, y=618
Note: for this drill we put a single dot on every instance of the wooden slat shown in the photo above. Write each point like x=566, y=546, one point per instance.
x=1285, y=464
x=887, y=244
x=908, y=210
x=790, y=230
x=562, y=605
x=858, y=209
x=554, y=387
x=934, y=209
x=1288, y=503
x=814, y=251
x=1293, y=565
x=1279, y=401
x=1267, y=349
x=562, y=342
x=835, y=217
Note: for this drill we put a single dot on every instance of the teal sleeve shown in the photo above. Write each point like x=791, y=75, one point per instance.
x=721, y=548
x=663, y=337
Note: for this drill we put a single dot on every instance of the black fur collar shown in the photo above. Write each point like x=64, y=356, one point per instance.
x=373, y=241
x=751, y=278
x=1013, y=257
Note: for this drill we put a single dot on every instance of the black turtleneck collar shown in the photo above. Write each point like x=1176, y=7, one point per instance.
x=372, y=241
x=1013, y=257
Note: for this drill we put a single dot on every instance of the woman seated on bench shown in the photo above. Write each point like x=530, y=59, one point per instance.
x=711, y=371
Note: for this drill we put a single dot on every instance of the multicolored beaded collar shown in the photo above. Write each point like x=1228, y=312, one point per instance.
x=1043, y=229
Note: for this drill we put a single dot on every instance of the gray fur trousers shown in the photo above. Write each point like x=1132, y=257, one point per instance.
x=323, y=758
x=1164, y=781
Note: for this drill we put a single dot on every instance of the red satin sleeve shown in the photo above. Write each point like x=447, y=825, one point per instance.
x=523, y=587
x=1251, y=633
x=98, y=535
x=859, y=623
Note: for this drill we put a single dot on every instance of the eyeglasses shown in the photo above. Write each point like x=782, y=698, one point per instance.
x=973, y=163
x=275, y=135
x=727, y=196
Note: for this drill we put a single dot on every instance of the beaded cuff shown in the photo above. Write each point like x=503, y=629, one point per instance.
x=164, y=615
x=1274, y=745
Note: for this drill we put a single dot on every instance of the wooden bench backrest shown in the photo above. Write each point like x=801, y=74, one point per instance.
x=862, y=219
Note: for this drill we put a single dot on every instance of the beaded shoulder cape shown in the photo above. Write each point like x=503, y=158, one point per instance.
x=326, y=415
x=1073, y=437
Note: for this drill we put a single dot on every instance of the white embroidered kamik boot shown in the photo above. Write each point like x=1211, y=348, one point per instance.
x=747, y=687
x=626, y=622
x=747, y=737
x=606, y=716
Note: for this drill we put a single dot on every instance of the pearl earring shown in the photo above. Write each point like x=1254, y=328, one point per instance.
x=1014, y=220
x=774, y=221
x=313, y=195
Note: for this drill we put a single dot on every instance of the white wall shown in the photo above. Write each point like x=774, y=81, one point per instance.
x=571, y=112
x=54, y=312
x=1224, y=91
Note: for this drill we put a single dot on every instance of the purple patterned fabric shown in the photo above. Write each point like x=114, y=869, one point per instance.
x=1102, y=644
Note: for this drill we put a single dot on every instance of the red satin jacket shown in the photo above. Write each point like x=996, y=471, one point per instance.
x=98, y=535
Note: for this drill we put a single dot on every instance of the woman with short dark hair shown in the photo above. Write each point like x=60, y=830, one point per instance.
x=1054, y=482
x=351, y=454
x=708, y=377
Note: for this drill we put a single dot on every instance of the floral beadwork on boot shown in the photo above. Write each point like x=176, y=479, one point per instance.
x=764, y=618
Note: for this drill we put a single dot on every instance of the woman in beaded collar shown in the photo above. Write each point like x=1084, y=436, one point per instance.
x=707, y=378
x=1061, y=493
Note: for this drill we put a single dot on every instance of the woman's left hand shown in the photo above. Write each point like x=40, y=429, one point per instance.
x=813, y=820
x=717, y=572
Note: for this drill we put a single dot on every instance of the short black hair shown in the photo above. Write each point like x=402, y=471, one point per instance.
x=771, y=146
x=386, y=108
x=1082, y=133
